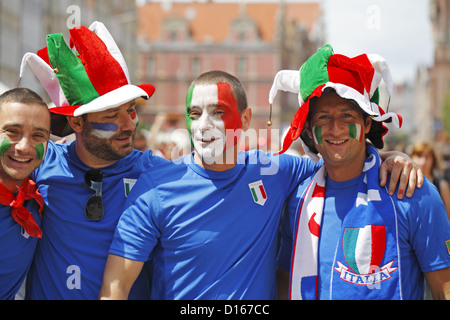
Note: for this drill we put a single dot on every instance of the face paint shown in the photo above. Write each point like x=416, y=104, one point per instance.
x=231, y=118
x=355, y=131
x=40, y=151
x=317, y=133
x=188, y=106
x=4, y=145
x=215, y=112
x=135, y=118
x=104, y=130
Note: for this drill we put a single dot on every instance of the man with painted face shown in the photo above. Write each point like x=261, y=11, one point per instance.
x=344, y=236
x=24, y=135
x=85, y=183
x=210, y=221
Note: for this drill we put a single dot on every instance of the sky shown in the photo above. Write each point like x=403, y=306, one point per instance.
x=398, y=30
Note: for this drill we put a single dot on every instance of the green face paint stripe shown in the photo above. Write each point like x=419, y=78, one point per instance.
x=5, y=145
x=40, y=149
x=352, y=131
x=318, y=134
x=188, y=105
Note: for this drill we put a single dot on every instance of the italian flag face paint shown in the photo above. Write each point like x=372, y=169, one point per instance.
x=216, y=111
x=355, y=131
x=317, y=133
x=40, y=151
x=5, y=144
x=135, y=118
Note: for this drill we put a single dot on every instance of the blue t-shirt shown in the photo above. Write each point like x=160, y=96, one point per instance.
x=423, y=229
x=17, y=249
x=210, y=235
x=71, y=256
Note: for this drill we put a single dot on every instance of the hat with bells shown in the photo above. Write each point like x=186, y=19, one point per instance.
x=94, y=79
x=355, y=78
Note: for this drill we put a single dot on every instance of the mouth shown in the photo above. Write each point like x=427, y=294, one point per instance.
x=123, y=139
x=20, y=160
x=337, y=142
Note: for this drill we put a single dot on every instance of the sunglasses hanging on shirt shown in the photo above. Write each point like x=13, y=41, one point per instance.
x=94, y=205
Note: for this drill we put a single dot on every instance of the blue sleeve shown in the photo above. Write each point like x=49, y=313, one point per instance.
x=295, y=170
x=137, y=232
x=288, y=225
x=428, y=226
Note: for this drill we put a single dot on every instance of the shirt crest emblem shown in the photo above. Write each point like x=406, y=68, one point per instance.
x=258, y=192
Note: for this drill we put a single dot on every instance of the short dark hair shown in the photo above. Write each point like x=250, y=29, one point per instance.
x=21, y=95
x=216, y=76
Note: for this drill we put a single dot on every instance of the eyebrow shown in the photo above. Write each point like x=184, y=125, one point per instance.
x=20, y=126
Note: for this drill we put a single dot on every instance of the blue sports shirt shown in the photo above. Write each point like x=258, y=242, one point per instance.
x=17, y=249
x=423, y=231
x=210, y=235
x=71, y=256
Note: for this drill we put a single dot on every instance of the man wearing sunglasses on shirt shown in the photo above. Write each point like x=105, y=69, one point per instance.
x=210, y=221
x=24, y=134
x=85, y=183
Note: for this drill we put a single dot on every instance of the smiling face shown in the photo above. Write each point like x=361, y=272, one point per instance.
x=338, y=129
x=213, y=121
x=24, y=134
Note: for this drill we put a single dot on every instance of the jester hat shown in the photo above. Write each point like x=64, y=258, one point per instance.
x=95, y=79
x=355, y=78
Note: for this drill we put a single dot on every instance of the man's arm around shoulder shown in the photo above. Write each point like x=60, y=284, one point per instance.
x=120, y=275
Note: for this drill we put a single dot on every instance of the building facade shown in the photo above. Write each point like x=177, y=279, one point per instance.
x=24, y=25
x=179, y=40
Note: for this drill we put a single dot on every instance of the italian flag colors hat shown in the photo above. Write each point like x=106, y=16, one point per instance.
x=355, y=78
x=93, y=79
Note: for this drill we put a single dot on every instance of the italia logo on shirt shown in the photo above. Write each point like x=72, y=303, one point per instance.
x=258, y=192
x=363, y=251
x=128, y=185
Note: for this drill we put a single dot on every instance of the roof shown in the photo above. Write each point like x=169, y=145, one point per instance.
x=212, y=20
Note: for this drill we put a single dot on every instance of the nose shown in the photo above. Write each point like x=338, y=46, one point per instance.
x=337, y=127
x=204, y=122
x=24, y=145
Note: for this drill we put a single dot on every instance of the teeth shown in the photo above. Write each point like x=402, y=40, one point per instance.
x=337, y=142
x=20, y=160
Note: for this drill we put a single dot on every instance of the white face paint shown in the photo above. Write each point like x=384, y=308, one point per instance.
x=207, y=126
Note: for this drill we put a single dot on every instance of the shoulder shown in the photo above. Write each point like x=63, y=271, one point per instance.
x=424, y=207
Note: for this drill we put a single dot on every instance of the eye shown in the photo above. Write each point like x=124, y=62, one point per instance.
x=11, y=133
x=194, y=114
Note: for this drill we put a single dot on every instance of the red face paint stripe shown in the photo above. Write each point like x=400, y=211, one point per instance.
x=231, y=118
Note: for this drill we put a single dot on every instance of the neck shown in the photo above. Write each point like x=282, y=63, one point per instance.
x=219, y=165
x=348, y=170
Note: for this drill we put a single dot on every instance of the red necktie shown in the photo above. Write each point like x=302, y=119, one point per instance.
x=20, y=214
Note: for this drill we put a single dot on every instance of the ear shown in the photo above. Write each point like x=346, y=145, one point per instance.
x=76, y=123
x=368, y=125
x=246, y=118
x=308, y=130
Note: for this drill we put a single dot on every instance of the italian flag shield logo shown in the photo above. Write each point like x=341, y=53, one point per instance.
x=258, y=192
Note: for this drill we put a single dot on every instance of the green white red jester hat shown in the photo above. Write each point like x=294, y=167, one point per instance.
x=355, y=78
x=96, y=78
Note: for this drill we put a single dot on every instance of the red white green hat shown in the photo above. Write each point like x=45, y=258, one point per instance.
x=95, y=79
x=355, y=78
